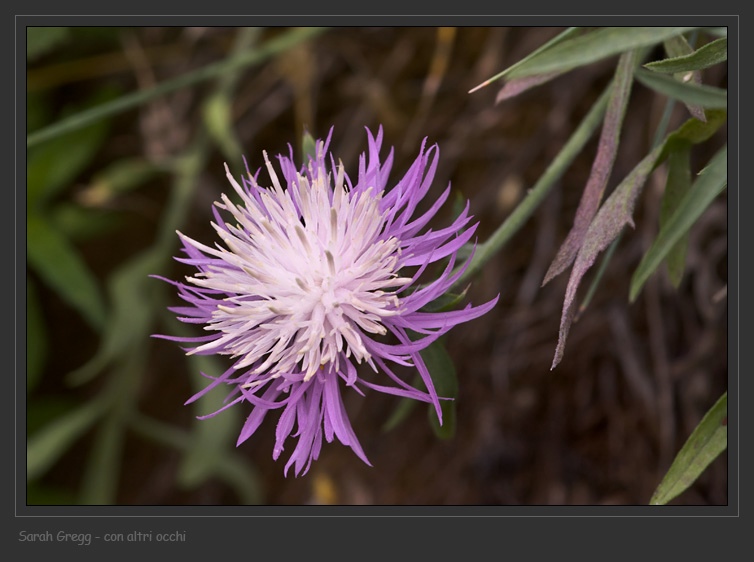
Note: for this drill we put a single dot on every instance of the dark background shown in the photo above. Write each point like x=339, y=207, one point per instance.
x=601, y=428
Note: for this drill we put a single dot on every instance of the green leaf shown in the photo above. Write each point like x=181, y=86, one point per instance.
x=217, y=113
x=211, y=438
x=41, y=40
x=678, y=46
x=445, y=302
x=694, y=131
x=134, y=296
x=687, y=92
x=708, y=185
x=401, y=412
x=61, y=267
x=706, y=442
x=36, y=337
x=79, y=223
x=308, y=148
x=708, y=55
x=44, y=447
x=617, y=212
x=100, y=481
x=570, y=32
x=594, y=46
x=676, y=187
x=502, y=235
x=271, y=48
x=443, y=373
x=121, y=177
x=51, y=168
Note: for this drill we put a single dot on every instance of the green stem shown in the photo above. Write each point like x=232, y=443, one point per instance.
x=266, y=51
x=524, y=210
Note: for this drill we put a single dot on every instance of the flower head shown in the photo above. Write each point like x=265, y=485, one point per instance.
x=316, y=274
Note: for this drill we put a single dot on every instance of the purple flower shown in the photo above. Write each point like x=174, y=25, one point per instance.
x=316, y=274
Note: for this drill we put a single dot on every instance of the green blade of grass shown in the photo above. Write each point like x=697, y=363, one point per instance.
x=52, y=167
x=708, y=55
x=443, y=372
x=706, y=442
x=266, y=51
x=570, y=32
x=710, y=183
x=689, y=93
x=45, y=446
x=676, y=187
x=213, y=437
x=61, y=267
x=485, y=251
x=594, y=46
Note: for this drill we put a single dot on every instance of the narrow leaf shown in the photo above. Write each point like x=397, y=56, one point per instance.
x=129, y=101
x=116, y=179
x=61, y=267
x=601, y=168
x=217, y=113
x=36, y=337
x=402, y=410
x=610, y=220
x=594, y=46
x=536, y=194
x=617, y=212
x=693, y=131
x=51, y=168
x=308, y=148
x=443, y=372
x=100, y=481
x=213, y=437
x=445, y=302
x=48, y=444
x=570, y=32
x=676, y=187
x=133, y=295
x=678, y=46
x=688, y=93
x=708, y=55
x=708, y=185
x=518, y=86
x=706, y=442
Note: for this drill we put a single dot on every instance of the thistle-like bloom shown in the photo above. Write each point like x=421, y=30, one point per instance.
x=316, y=274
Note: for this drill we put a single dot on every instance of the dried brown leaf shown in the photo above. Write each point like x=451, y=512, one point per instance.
x=517, y=86
x=616, y=213
x=601, y=168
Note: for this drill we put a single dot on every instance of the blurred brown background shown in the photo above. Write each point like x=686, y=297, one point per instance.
x=601, y=428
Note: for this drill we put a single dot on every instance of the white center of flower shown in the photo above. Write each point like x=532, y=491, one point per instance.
x=309, y=273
